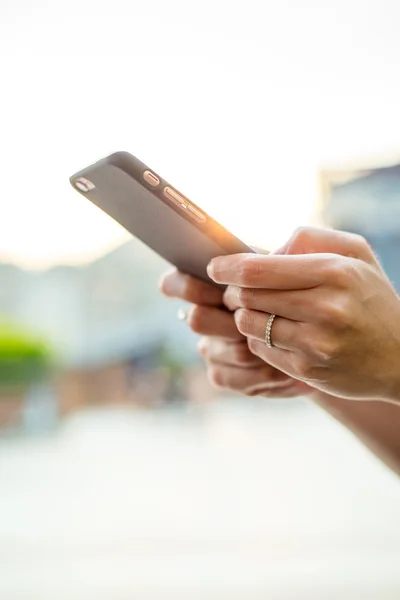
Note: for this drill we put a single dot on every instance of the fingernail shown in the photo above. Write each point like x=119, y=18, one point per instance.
x=165, y=287
x=165, y=283
x=210, y=269
x=201, y=344
x=182, y=314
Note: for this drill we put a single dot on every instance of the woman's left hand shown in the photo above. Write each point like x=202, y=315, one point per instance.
x=337, y=325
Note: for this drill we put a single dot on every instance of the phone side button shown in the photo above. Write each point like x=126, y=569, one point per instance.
x=175, y=197
x=196, y=213
x=151, y=178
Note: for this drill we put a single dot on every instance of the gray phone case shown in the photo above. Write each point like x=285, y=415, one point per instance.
x=121, y=191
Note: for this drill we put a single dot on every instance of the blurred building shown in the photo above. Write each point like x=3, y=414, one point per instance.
x=99, y=312
x=366, y=201
x=117, y=337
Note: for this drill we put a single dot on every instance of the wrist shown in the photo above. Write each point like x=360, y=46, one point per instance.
x=393, y=388
x=326, y=400
x=388, y=377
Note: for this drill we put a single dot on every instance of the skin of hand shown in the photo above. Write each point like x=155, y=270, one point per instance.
x=230, y=364
x=375, y=423
x=338, y=317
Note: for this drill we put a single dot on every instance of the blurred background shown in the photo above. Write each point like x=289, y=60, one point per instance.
x=123, y=474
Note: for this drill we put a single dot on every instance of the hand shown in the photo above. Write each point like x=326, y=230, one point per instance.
x=230, y=364
x=338, y=323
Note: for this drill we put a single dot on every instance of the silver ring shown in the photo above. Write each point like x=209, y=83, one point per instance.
x=268, y=329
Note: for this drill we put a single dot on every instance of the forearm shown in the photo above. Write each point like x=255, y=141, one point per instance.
x=375, y=423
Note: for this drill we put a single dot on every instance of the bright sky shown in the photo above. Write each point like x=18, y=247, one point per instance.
x=261, y=91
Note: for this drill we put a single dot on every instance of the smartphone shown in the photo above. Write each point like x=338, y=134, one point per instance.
x=158, y=214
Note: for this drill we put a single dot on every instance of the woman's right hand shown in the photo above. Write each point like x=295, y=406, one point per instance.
x=230, y=364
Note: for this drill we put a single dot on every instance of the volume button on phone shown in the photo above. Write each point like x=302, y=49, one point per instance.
x=196, y=213
x=175, y=197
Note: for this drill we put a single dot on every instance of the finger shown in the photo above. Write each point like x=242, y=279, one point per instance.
x=208, y=320
x=285, y=334
x=297, y=305
x=303, y=271
x=228, y=353
x=249, y=381
x=180, y=285
x=313, y=240
x=259, y=250
x=291, y=390
x=284, y=361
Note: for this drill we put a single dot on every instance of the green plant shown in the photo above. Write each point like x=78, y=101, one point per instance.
x=24, y=358
x=168, y=361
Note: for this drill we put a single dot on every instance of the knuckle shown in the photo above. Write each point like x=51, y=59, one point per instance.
x=301, y=234
x=325, y=351
x=252, y=392
x=360, y=240
x=248, y=270
x=243, y=320
x=303, y=367
x=344, y=271
x=216, y=376
x=242, y=354
x=360, y=245
x=336, y=312
x=302, y=239
x=320, y=346
x=337, y=271
x=246, y=297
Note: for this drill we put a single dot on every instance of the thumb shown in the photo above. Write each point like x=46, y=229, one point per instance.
x=312, y=240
